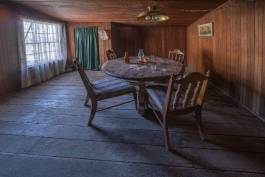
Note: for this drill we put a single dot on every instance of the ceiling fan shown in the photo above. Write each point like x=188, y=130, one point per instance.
x=153, y=15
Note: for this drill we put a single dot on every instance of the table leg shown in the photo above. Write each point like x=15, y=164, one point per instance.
x=142, y=99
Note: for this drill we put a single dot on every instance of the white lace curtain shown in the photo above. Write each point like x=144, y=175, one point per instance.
x=43, y=50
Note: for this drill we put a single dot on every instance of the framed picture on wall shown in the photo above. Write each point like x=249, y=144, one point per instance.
x=206, y=29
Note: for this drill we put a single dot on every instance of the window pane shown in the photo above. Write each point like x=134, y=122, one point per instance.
x=30, y=60
x=26, y=26
x=29, y=37
x=41, y=41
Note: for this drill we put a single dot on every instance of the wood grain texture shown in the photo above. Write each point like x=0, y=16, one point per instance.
x=9, y=64
x=43, y=132
x=103, y=45
x=235, y=54
x=155, y=40
x=125, y=38
x=142, y=72
x=120, y=11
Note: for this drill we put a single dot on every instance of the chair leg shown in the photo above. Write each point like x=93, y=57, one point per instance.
x=86, y=101
x=135, y=100
x=166, y=134
x=199, y=123
x=92, y=113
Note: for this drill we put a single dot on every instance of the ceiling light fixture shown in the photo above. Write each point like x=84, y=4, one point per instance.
x=152, y=15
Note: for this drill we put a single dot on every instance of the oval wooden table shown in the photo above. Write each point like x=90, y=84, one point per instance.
x=157, y=69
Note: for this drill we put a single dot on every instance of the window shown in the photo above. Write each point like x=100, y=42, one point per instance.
x=42, y=42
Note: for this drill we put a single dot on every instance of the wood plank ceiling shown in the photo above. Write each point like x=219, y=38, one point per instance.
x=182, y=12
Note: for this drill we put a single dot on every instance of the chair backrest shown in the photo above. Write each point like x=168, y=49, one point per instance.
x=182, y=70
x=86, y=81
x=176, y=55
x=111, y=55
x=186, y=92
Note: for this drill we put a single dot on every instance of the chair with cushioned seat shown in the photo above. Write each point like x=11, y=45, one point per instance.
x=184, y=95
x=104, y=89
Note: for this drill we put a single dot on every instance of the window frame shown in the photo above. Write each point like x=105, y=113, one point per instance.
x=45, y=43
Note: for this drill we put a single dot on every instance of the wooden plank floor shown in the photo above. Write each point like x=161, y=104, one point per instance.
x=43, y=133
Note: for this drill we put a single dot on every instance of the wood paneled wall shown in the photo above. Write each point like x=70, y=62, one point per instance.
x=159, y=40
x=125, y=38
x=155, y=40
x=9, y=64
x=236, y=53
x=103, y=45
x=9, y=57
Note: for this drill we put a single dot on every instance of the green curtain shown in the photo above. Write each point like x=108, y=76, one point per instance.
x=86, y=47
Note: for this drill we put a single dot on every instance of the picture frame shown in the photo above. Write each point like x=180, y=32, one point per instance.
x=206, y=30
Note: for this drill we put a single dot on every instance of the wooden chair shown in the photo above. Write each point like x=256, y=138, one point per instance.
x=104, y=89
x=183, y=96
x=177, y=55
x=111, y=55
